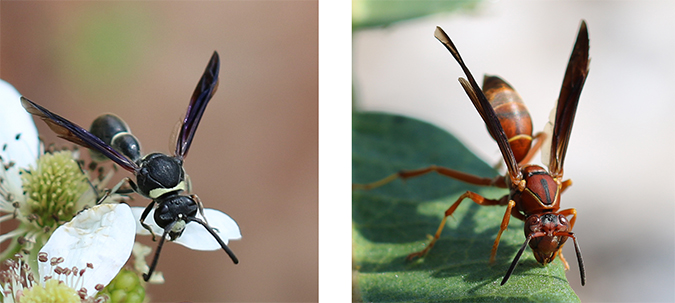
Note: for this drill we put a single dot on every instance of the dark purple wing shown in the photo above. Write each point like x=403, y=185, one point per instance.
x=76, y=134
x=575, y=77
x=205, y=89
x=484, y=109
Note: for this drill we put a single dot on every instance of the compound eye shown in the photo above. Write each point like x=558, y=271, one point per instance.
x=162, y=209
x=532, y=220
x=562, y=219
x=533, y=223
x=162, y=215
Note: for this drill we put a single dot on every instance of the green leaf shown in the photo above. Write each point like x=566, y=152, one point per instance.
x=396, y=219
x=370, y=13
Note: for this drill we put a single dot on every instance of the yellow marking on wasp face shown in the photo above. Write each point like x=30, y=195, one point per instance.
x=157, y=192
x=179, y=226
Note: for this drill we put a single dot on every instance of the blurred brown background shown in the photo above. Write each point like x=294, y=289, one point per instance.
x=255, y=155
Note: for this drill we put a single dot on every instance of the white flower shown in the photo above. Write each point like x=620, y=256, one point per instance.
x=140, y=251
x=195, y=236
x=102, y=236
x=18, y=149
x=41, y=191
x=47, y=194
x=18, y=134
x=83, y=255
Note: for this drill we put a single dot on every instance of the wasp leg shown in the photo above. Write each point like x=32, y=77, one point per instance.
x=540, y=137
x=147, y=276
x=109, y=192
x=510, y=211
x=563, y=186
x=444, y=171
x=144, y=215
x=582, y=270
x=200, y=207
x=478, y=199
x=568, y=212
x=559, y=252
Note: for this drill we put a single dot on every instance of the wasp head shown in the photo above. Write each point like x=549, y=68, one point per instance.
x=548, y=233
x=173, y=212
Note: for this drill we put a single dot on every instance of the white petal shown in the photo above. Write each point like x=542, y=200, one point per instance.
x=15, y=120
x=102, y=235
x=195, y=236
x=10, y=187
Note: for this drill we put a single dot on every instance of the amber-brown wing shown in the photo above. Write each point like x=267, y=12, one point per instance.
x=484, y=109
x=575, y=77
x=76, y=134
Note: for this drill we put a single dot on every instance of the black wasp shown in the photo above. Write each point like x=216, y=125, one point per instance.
x=158, y=176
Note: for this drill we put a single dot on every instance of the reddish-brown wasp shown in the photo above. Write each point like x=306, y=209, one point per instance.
x=534, y=193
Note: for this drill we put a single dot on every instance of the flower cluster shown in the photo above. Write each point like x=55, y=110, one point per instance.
x=49, y=195
x=78, y=260
x=65, y=248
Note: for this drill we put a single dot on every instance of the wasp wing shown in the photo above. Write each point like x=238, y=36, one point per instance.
x=205, y=89
x=484, y=108
x=76, y=134
x=575, y=77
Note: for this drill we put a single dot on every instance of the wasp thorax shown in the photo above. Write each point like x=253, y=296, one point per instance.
x=542, y=192
x=546, y=230
x=159, y=174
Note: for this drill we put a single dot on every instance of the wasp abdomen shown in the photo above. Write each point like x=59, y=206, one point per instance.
x=112, y=130
x=512, y=114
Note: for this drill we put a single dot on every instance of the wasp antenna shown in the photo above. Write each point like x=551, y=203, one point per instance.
x=582, y=271
x=220, y=241
x=515, y=260
x=147, y=276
